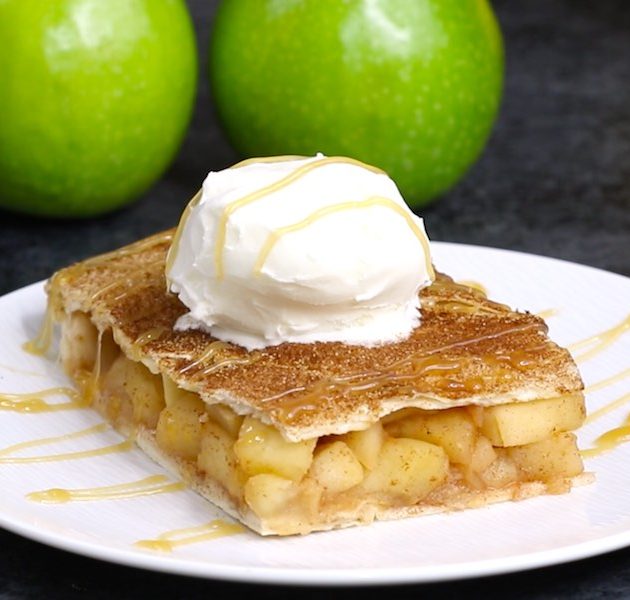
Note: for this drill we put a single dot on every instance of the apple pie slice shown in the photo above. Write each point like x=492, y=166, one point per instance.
x=477, y=406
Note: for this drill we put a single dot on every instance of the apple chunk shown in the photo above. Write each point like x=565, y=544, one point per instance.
x=407, y=468
x=226, y=417
x=335, y=467
x=260, y=448
x=267, y=494
x=366, y=444
x=146, y=393
x=174, y=396
x=179, y=431
x=79, y=343
x=501, y=472
x=557, y=456
x=522, y=423
x=132, y=388
x=218, y=460
x=452, y=429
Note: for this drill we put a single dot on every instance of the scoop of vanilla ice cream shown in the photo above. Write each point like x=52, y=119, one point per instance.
x=293, y=249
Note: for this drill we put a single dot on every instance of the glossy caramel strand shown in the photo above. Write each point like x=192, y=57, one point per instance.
x=148, y=486
x=263, y=192
x=374, y=201
x=597, y=343
x=617, y=435
x=35, y=402
x=169, y=540
x=7, y=454
x=612, y=438
x=404, y=376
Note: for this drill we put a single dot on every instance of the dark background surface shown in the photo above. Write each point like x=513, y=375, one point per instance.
x=554, y=180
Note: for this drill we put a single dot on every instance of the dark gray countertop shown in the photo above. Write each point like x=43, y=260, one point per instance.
x=554, y=180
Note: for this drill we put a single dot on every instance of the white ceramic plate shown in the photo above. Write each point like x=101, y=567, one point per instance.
x=497, y=539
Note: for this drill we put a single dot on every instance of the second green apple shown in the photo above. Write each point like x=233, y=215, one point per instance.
x=412, y=86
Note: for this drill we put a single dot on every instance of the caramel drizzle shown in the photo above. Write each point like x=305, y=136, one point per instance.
x=460, y=306
x=172, y=252
x=305, y=398
x=150, y=335
x=33, y=402
x=211, y=351
x=6, y=454
x=475, y=285
x=610, y=439
x=228, y=362
x=275, y=236
x=21, y=371
x=608, y=381
x=618, y=435
x=128, y=281
x=89, y=381
x=600, y=341
x=268, y=159
x=596, y=344
x=40, y=345
x=149, y=486
x=475, y=305
x=168, y=541
x=300, y=172
x=608, y=408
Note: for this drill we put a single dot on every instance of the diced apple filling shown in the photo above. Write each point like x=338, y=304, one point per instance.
x=261, y=448
x=451, y=429
x=408, y=469
x=335, y=467
x=400, y=460
x=78, y=344
x=523, y=423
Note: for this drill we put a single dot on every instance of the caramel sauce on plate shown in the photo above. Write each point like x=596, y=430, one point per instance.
x=148, y=486
x=21, y=371
x=168, y=541
x=7, y=454
x=608, y=381
x=600, y=341
x=613, y=437
x=608, y=441
x=618, y=435
x=35, y=402
x=592, y=346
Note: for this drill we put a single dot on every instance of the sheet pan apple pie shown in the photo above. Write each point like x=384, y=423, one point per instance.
x=248, y=353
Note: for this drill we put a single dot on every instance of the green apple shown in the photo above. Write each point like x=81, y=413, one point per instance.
x=95, y=98
x=411, y=86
